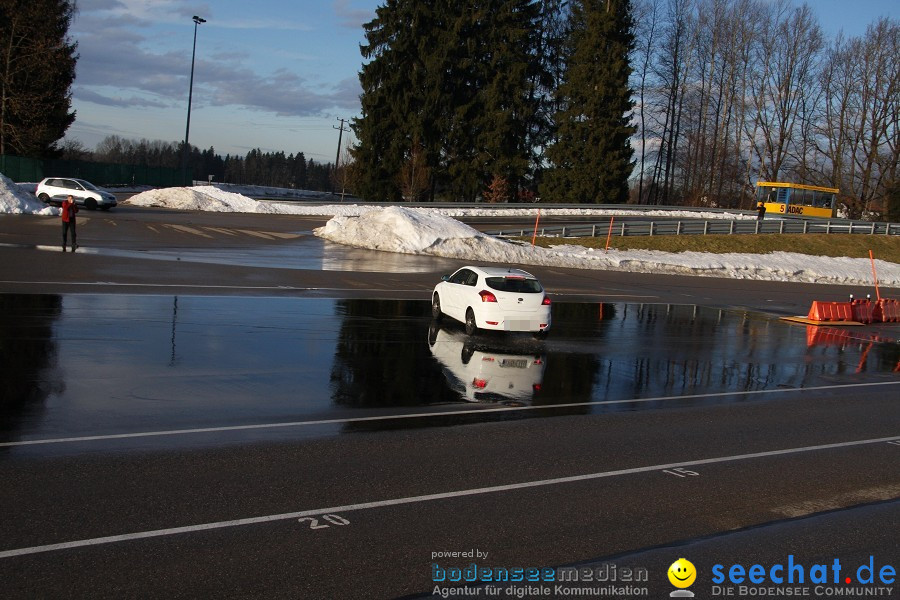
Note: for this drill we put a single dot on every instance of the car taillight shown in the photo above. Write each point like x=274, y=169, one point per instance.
x=487, y=296
x=479, y=383
x=546, y=301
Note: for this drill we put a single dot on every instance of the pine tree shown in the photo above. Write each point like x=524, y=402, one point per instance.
x=37, y=68
x=505, y=73
x=456, y=78
x=299, y=177
x=592, y=157
x=550, y=54
x=399, y=102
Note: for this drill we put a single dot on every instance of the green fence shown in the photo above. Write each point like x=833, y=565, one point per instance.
x=21, y=169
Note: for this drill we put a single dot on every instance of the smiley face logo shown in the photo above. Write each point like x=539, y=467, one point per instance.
x=682, y=573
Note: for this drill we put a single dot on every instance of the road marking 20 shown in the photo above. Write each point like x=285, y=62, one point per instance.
x=333, y=519
x=681, y=472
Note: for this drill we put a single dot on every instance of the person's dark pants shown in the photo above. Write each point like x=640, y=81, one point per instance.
x=67, y=225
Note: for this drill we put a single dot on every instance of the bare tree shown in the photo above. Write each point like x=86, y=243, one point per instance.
x=414, y=178
x=344, y=177
x=647, y=20
x=671, y=68
x=498, y=190
x=731, y=91
x=858, y=133
x=790, y=50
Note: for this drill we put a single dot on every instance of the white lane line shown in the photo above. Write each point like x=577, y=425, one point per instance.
x=427, y=498
x=262, y=287
x=190, y=286
x=478, y=411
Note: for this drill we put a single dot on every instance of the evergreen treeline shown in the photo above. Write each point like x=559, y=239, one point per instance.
x=673, y=101
x=682, y=101
x=462, y=99
x=37, y=68
x=274, y=169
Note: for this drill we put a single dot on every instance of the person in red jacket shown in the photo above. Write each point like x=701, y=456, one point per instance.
x=69, y=208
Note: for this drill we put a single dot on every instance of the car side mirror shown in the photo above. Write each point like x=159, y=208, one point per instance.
x=445, y=277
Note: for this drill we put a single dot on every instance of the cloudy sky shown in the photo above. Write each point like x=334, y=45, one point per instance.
x=269, y=74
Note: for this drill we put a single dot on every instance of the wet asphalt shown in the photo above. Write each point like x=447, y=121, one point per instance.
x=224, y=406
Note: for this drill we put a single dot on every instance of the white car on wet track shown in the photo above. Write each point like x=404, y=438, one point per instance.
x=493, y=298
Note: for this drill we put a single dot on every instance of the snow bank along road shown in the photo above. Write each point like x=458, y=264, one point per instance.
x=435, y=232
x=140, y=250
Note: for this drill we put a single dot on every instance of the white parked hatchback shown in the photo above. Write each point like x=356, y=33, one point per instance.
x=53, y=190
x=493, y=298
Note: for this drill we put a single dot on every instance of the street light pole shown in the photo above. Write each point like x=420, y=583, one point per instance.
x=187, y=129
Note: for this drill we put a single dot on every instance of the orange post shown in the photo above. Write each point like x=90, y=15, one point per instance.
x=862, y=359
x=536, y=221
x=609, y=235
x=875, y=275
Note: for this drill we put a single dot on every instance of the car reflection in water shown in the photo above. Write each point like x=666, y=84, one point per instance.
x=505, y=369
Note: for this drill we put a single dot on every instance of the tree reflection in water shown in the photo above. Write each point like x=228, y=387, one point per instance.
x=28, y=355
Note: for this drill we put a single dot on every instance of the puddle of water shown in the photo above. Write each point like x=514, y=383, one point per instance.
x=79, y=365
x=308, y=252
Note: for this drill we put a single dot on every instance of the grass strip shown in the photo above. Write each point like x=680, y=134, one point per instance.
x=884, y=247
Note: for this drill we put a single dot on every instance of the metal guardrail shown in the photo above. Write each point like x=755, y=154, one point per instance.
x=715, y=227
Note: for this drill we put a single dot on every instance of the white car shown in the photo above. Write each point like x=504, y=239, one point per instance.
x=53, y=190
x=493, y=298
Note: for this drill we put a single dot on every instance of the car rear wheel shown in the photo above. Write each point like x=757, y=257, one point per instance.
x=436, y=308
x=44, y=198
x=471, y=327
x=468, y=350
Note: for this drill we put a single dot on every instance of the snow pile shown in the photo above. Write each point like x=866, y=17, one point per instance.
x=15, y=200
x=420, y=231
x=405, y=230
x=211, y=198
x=233, y=198
x=203, y=198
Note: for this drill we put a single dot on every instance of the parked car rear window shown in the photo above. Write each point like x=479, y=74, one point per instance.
x=517, y=285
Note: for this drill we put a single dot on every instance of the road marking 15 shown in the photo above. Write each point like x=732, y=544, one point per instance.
x=681, y=472
x=333, y=519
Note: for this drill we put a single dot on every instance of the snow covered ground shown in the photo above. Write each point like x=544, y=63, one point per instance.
x=424, y=231
x=434, y=231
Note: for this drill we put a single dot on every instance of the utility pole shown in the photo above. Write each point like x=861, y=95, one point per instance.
x=337, y=157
